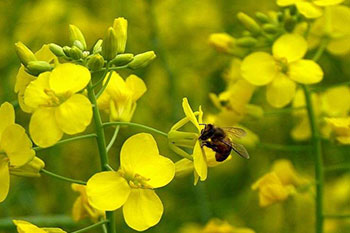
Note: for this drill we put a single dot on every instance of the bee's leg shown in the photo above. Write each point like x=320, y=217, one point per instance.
x=209, y=144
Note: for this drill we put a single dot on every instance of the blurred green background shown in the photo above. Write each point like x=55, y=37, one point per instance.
x=186, y=66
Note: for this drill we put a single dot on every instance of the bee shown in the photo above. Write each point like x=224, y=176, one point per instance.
x=219, y=140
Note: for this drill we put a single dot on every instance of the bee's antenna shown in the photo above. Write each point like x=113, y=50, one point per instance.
x=203, y=124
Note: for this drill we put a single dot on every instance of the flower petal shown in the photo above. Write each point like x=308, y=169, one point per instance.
x=143, y=209
x=69, y=78
x=259, y=68
x=290, y=46
x=287, y=2
x=200, y=162
x=7, y=116
x=189, y=113
x=339, y=46
x=136, y=86
x=341, y=106
x=74, y=115
x=17, y=145
x=308, y=9
x=35, y=94
x=107, y=190
x=4, y=179
x=22, y=81
x=140, y=155
x=327, y=2
x=305, y=71
x=280, y=91
x=43, y=127
x=27, y=227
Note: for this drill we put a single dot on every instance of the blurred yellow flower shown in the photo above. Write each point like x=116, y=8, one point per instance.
x=214, y=226
x=119, y=98
x=341, y=128
x=58, y=108
x=27, y=227
x=142, y=169
x=82, y=208
x=334, y=25
x=23, y=78
x=278, y=184
x=281, y=70
x=15, y=147
x=225, y=43
x=309, y=8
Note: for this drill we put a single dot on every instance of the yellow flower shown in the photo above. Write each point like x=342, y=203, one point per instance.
x=219, y=226
x=82, y=208
x=335, y=26
x=341, y=128
x=281, y=70
x=15, y=147
x=225, y=43
x=142, y=169
x=309, y=8
x=119, y=98
x=58, y=107
x=27, y=227
x=278, y=184
x=23, y=78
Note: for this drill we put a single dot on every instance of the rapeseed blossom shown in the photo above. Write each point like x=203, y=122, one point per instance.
x=310, y=8
x=142, y=169
x=341, y=128
x=119, y=98
x=282, y=69
x=57, y=105
x=27, y=227
x=82, y=208
x=15, y=147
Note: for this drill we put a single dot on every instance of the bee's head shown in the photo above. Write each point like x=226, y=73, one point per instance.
x=207, y=132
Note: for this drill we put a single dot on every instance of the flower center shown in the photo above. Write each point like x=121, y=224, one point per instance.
x=282, y=64
x=55, y=100
x=136, y=181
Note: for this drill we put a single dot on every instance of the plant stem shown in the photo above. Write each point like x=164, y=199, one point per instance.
x=91, y=226
x=114, y=137
x=321, y=49
x=67, y=140
x=62, y=177
x=136, y=125
x=317, y=149
x=101, y=143
x=104, y=86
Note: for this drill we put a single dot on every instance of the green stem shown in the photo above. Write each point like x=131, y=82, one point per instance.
x=91, y=226
x=114, y=137
x=321, y=49
x=101, y=143
x=317, y=147
x=62, y=177
x=136, y=125
x=68, y=140
x=337, y=215
x=104, y=85
x=44, y=220
x=287, y=148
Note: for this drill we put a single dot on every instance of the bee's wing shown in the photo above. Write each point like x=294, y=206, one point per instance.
x=240, y=150
x=234, y=132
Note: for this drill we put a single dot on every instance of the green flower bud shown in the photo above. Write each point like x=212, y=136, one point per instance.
x=109, y=46
x=78, y=44
x=31, y=169
x=262, y=17
x=76, y=34
x=38, y=67
x=75, y=53
x=97, y=47
x=270, y=28
x=122, y=59
x=57, y=50
x=246, y=42
x=95, y=62
x=24, y=54
x=120, y=26
x=249, y=23
x=142, y=60
x=66, y=50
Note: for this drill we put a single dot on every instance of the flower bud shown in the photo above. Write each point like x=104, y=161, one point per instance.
x=122, y=59
x=222, y=42
x=142, y=60
x=97, y=47
x=66, y=50
x=246, y=42
x=262, y=17
x=37, y=67
x=56, y=49
x=95, y=62
x=109, y=46
x=76, y=34
x=31, y=169
x=120, y=26
x=78, y=44
x=270, y=28
x=75, y=53
x=249, y=23
x=24, y=54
